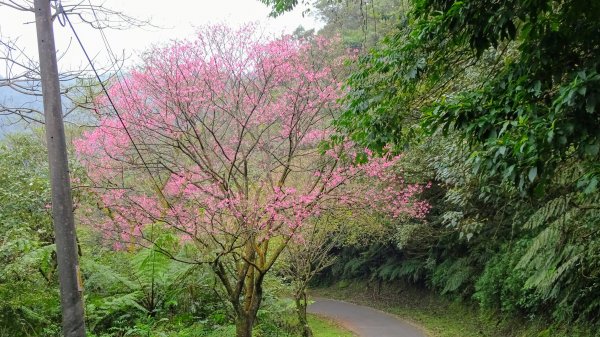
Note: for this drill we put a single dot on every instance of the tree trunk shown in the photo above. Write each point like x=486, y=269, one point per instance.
x=243, y=326
x=246, y=313
x=244, y=287
x=301, y=304
x=244, y=322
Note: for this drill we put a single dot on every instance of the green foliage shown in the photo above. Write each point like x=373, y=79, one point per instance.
x=495, y=103
x=29, y=302
x=500, y=288
x=561, y=260
x=452, y=275
x=517, y=79
x=279, y=7
x=147, y=290
x=514, y=255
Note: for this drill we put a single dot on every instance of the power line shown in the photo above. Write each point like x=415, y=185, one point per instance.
x=111, y=54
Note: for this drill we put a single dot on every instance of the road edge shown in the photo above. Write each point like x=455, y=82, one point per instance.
x=408, y=321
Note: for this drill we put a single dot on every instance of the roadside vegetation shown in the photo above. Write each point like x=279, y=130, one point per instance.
x=440, y=316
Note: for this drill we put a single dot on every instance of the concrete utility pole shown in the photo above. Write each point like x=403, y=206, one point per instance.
x=62, y=204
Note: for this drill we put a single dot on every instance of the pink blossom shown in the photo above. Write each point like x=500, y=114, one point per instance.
x=228, y=125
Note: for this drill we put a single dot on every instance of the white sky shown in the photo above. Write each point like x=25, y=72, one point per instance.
x=179, y=17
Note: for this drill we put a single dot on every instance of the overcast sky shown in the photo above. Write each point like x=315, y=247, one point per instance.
x=180, y=19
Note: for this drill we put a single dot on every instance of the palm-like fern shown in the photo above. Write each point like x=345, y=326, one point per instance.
x=149, y=283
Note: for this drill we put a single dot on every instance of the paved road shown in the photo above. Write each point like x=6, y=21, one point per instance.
x=364, y=321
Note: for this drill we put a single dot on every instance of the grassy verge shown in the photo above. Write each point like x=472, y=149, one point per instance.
x=323, y=327
x=440, y=317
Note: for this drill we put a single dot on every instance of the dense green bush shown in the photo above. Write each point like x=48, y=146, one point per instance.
x=499, y=287
x=29, y=301
x=142, y=290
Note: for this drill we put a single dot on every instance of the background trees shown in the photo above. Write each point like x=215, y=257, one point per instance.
x=514, y=79
x=361, y=24
x=306, y=257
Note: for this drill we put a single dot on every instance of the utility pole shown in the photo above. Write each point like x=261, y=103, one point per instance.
x=62, y=205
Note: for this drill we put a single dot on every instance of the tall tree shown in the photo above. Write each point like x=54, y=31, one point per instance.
x=361, y=24
x=217, y=138
x=305, y=257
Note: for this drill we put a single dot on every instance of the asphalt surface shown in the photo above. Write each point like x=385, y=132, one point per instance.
x=364, y=321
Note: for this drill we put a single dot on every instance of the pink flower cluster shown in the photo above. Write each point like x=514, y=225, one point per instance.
x=228, y=125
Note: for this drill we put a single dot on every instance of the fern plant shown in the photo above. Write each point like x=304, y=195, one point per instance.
x=145, y=284
x=561, y=261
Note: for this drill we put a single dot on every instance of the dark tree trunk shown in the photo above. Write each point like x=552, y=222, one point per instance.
x=245, y=289
x=244, y=320
x=246, y=312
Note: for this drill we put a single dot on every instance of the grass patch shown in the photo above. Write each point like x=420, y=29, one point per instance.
x=323, y=327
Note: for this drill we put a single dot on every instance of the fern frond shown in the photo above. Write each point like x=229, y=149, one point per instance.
x=105, y=277
x=550, y=211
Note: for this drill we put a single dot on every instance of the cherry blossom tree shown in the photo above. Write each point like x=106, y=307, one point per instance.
x=217, y=138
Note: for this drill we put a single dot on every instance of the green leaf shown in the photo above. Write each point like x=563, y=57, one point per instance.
x=532, y=173
x=592, y=149
x=537, y=86
x=592, y=185
x=590, y=104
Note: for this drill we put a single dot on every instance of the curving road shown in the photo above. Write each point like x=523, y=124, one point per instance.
x=364, y=321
